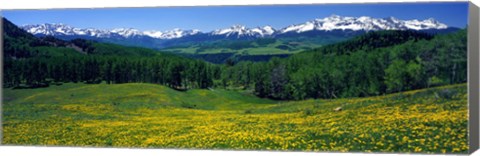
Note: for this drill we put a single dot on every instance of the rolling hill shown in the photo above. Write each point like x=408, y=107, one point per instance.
x=146, y=115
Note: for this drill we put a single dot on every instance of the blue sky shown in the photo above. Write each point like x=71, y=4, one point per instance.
x=215, y=17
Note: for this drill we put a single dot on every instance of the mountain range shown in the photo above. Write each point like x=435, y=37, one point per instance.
x=334, y=24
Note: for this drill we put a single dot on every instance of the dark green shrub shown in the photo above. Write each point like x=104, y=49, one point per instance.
x=186, y=105
x=447, y=94
x=308, y=112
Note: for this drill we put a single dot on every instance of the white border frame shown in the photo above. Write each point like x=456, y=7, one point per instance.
x=473, y=71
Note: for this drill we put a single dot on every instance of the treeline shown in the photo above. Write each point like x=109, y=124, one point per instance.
x=371, y=64
x=373, y=40
x=374, y=64
x=175, y=72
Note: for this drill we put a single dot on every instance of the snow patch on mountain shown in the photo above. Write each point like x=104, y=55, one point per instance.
x=241, y=31
x=171, y=34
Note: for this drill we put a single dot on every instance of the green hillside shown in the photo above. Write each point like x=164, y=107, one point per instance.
x=146, y=115
x=131, y=93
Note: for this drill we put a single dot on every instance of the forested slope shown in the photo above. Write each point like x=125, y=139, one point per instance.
x=372, y=64
x=36, y=62
x=365, y=66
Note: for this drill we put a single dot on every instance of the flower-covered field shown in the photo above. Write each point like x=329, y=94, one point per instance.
x=145, y=115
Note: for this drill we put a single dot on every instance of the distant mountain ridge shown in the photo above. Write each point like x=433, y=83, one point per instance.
x=66, y=30
x=332, y=25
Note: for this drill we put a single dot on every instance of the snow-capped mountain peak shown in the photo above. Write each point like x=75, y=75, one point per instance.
x=335, y=22
x=48, y=28
x=171, y=34
x=153, y=33
x=239, y=29
x=269, y=29
x=425, y=24
x=243, y=31
x=176, y=33
x=264, y=31
x=126, y=32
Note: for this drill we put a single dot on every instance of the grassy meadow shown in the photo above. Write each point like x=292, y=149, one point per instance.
x=269, y=49
x=145, y=115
